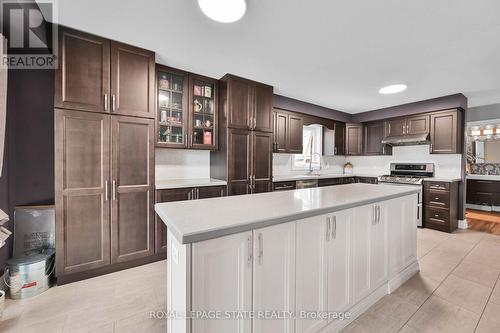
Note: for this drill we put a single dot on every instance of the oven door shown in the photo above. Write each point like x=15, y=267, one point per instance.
x=419, y=201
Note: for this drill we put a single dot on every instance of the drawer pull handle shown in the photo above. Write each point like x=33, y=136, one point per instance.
x=436, y=198
x=436, y=215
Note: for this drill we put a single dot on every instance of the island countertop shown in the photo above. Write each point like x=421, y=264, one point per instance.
x=198, y=220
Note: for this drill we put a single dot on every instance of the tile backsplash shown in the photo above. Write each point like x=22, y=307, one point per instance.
x=446, y=165
x=486, y=169
x=182, y=164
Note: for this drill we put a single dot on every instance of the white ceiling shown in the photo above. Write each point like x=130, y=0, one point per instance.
x=329, y=52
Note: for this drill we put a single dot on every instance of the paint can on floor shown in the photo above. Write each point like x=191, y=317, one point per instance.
x=31, y=275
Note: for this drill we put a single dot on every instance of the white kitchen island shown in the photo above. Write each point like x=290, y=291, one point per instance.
x=292, y=261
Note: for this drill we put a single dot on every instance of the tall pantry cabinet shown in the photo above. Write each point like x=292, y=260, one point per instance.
x=244, y=157
x=104, y=156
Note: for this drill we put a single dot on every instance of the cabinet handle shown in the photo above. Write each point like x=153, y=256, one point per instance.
x=334, y=229
x=114, y=189
x=189, y=194
x=284, y=187
x=378, y=214
x=186, y=139
x=374, y=215
x=106, y=194
x=249, y=249
x=328, y=228
x=106, y=102
x=197, y=193
x=404, y=129
x=261, y=247
x=221, y=192
x=431, y=148
x=190, y=140
x=335, y=151
x=113, y=102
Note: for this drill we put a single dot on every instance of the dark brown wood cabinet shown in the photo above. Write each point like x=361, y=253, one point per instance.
x=104, y=186
x=239, y=164
x=354, y=139
x=288, y=128
x=99, y=75
x=374, y=133
x=261, y=172
x=181, y=194
x=483, y=192
x=440, y=205
x=339, y=145
x=446, y=132
x=249, y=104
x=132, y=188
x=418, y=124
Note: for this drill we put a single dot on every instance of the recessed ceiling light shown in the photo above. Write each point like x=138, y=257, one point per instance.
x=392, y=89
x=225, y=11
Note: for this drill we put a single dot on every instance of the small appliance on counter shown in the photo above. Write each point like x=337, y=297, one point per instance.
x=348, y=168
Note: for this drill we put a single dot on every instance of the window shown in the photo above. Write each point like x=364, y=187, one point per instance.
x=312, y=140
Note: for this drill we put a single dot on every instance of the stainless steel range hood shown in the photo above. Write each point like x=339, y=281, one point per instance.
x=407, y=140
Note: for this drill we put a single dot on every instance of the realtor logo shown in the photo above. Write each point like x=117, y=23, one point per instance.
x=31, y=37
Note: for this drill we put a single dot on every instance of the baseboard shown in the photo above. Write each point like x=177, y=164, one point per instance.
x=403, y=276
x=462, y=224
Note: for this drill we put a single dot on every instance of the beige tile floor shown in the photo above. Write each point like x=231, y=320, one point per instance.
x=457, y=290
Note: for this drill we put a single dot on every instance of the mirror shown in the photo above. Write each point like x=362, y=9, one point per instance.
x=486, y=151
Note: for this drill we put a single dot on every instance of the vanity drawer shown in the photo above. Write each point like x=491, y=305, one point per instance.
x=442, y=186
x=437, y=216
x=437, y=198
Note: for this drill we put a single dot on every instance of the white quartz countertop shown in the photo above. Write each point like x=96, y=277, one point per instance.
x=443, y=179
x=182, y=183
x=285, y=178
x=483, y=177
x=198, y=220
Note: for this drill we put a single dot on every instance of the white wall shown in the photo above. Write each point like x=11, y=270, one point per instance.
x=447, y=166
x=182, y=164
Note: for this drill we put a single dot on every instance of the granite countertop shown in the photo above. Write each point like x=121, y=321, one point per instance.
x=198, y=220
x=183, y=183
x=284, y=178
x=483, y=177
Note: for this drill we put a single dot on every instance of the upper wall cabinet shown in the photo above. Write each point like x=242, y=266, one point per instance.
x=419, y=124
x=374, y=133
x=249, y=104
x=334, y=139
x=446, y=136
x=99, y=75
x=354, y=139
x=287, y=132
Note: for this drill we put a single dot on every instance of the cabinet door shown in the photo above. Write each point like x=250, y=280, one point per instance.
x=339, y=262
x=222, y=280
x=311, y=272
x=378, y=247
x=444, y=133
x=374, y=134
x=339, y=144
x=240, y=108
x=262, y=161
x=81, y=191
x=280, y=132
x=82, y=78
x=170, y=195
x=274, y=276
x=418, y=124
x=263, y=104
x=295, y=135
x=354, y=139
x=361, y=234
x=395, y=127
x=239, y=163
x=132, y=224
x=132, y=81
x=203, y=113
x=210, y=192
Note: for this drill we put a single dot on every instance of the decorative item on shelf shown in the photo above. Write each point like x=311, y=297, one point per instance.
x=198, y=106
x=208, y=106
x=348, y=168
x=207, y=91
x=198, y=123
x=163, y=82
x=207, y=138
x=163, y=100
x=177, y=86
x=163, y=116
x=197, y=90
x=208, y=123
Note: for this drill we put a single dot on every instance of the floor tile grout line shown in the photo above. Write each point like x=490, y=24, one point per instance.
x=487, y=301
x=440, y=283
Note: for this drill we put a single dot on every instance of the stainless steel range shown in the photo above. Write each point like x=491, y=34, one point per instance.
x=409, y=174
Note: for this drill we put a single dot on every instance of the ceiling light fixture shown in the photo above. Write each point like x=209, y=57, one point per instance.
x=224, y=11
x=393, y=89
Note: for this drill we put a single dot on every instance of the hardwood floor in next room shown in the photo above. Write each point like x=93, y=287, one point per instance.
x=457, y=290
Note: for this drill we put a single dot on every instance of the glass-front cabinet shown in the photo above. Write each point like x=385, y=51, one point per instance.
x=186, y=110
x=203, y=121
